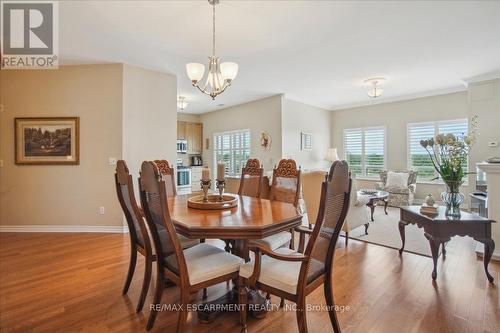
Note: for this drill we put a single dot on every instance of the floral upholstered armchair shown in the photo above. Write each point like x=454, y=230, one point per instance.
x=401, y=186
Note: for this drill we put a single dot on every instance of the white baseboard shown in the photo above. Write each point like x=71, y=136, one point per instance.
x=64, y=228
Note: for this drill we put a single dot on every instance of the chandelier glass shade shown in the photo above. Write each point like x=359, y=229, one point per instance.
x=219, y=76
x=375, y=91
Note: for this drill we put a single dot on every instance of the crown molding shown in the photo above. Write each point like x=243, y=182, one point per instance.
x=400, y=98
x=480, y=78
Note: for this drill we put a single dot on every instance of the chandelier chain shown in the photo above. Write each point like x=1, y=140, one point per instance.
x=213, y=28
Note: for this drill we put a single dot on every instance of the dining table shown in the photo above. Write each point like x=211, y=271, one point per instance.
x=251, y=219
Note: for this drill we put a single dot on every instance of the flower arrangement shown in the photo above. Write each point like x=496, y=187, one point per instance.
x=449, y=154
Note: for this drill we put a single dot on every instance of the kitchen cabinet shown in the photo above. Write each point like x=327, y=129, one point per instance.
x=181, y=130
x=193, y=133
x=195, y=179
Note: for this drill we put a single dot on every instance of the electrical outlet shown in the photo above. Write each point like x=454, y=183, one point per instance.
x=102, y=210
x=112, y=161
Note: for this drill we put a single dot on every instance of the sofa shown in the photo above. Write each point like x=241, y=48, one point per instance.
x=402, y=194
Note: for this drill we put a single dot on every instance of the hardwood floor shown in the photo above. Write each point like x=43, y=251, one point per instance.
x=73, y=282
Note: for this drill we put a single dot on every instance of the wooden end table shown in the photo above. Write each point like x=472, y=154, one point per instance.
x=439, y=228
x=374, y=199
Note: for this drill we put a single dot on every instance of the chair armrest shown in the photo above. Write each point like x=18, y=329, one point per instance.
x=362, y=200
x=303, y=229
x=379, y=186
x=257, y=248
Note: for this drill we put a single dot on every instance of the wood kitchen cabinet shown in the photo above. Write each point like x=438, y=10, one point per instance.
x=181, y=130
x=193, y=133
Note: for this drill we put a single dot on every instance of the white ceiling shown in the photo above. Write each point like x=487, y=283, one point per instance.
x=317, y=52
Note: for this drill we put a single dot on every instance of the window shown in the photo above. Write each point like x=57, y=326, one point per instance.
x=418, y=159
x=232, y=148
x=365, y=150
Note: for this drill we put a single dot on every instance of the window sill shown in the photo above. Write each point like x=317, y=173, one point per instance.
x=440, y=183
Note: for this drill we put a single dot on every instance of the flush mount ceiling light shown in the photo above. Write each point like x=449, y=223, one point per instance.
x=375, y=91
x=181, y=103
x=220, y=75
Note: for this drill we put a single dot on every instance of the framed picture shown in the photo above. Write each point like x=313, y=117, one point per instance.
x=47, y=140
x=305, y=141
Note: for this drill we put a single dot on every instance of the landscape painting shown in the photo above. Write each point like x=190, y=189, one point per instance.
x=47, y=140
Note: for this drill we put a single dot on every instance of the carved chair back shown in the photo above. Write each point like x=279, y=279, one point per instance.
x=125, y=192
x=286, y=182
x=167, y=173
x=154, y=202
x=251, y=179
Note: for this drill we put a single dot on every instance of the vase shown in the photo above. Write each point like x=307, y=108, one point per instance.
x=453, y=199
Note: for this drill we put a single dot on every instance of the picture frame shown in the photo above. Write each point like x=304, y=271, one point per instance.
x=305, y=141
x=47, y=140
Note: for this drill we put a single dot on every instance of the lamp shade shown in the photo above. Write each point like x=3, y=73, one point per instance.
x=195, y=71
x=331, y=155
x=229, y=70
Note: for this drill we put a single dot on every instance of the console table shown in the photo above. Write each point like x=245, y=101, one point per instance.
x=439, y=228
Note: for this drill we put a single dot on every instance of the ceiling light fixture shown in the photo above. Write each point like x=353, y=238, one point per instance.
x=181, y=103
x=220, y=75
x=375, y=91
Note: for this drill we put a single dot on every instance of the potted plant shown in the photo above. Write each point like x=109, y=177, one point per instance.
x=449, y=154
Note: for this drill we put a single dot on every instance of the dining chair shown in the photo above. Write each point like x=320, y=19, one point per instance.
x=139, y=238
x=251, y=178
x=293, y=275
x=285, y=187
x=168, y=174
x=191, y=269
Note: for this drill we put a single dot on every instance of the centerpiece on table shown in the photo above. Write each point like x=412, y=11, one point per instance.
x=449, y=154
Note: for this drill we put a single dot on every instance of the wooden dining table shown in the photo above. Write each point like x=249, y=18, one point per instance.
x=252, y=218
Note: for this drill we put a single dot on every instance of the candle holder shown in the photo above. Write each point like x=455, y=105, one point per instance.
x=220, y=184
x=205, y=186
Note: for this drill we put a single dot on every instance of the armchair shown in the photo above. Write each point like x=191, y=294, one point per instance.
x=358, y=213
x=399, y=196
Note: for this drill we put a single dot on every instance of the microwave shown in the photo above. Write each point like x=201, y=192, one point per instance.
x=182, y=146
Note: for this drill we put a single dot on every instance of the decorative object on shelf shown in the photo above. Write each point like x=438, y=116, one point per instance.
x=181, y=103
x=429, y=200
x=47, y=140
x=449, y=155
x=265, y=140
x=374, y=92
x=220, y=75
x=305, y=141
x=213, y=202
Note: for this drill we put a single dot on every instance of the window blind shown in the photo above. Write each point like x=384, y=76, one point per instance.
x=365, y=150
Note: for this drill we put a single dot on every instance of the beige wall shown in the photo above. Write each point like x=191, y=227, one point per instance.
x=395, y=117
x=298, y=117
x=63, y=195
x=193, y=118
x=258, y=116
x=149, y=117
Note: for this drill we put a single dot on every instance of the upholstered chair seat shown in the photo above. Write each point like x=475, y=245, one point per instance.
x=205, y=262
x=282, y=275
x=275, y=241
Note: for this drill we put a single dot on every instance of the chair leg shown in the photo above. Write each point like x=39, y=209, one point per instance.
x=204, y=293
x=301, y=315
x=145, y=283
x=131, y=269
x=242, y=301
x=182, y=317
x=156, y=300
x=329, y=301
x=346, y=238
x=282, y=302
x=292, y=240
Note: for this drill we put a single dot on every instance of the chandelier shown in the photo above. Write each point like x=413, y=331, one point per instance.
x=220, y=75
x=375, y=90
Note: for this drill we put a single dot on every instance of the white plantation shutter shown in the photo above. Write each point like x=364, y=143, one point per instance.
x=418, y=159
x=365, y=150
x=232, y=148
